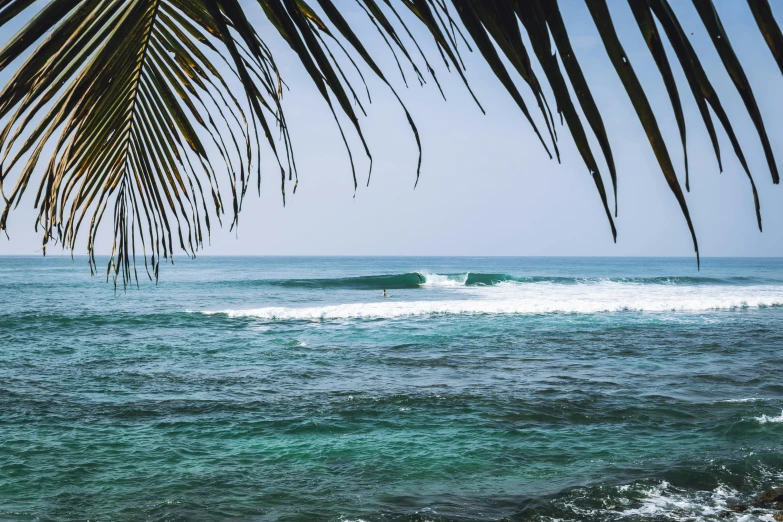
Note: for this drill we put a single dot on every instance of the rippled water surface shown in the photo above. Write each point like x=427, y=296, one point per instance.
x=479, y=389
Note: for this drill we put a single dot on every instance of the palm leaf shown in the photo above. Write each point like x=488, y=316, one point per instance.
x=769, y=28
x=126, y=103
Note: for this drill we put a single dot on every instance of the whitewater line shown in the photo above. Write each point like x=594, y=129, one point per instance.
x=588, y=301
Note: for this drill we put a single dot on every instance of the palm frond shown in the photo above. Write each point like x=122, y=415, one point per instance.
x=125, y=92
x=132, y=102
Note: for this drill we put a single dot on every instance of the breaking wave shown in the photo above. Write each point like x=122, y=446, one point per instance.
x=766, y=418
x=606, y=297
x=425, y=279
x=657, y=502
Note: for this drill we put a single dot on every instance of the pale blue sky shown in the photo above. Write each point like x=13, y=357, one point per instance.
x=487, y=186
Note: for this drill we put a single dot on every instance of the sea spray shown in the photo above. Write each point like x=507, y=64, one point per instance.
x=764, y=419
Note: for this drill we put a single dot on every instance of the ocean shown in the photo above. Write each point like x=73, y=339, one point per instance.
x=288, y=388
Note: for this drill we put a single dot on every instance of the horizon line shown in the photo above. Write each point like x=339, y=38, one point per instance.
x=185, y=256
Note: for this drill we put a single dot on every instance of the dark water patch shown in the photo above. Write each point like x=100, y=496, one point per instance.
x=81, y=319
x=576, y=409
x=374, y=282
x=775, y=388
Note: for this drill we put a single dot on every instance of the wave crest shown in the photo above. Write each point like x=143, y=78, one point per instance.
x=411, y=280
x=374, y=282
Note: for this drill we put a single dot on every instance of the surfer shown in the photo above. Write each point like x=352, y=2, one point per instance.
x=384, y=293
x=421, y=281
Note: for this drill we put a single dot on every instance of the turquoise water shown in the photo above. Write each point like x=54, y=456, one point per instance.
x=289, y=389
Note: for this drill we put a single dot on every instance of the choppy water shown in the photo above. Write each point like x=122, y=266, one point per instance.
x=289, y=389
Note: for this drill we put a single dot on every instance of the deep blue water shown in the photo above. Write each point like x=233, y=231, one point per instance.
x=480, y=389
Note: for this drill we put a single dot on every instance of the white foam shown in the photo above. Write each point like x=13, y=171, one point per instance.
x=444, y=281
x=765, y=419
x=539, y=298
x=665, y=502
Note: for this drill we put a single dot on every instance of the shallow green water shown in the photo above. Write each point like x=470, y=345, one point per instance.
x=288, y=389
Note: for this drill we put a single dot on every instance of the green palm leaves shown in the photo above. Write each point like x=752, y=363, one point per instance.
x=157, y=112
x=122, y=92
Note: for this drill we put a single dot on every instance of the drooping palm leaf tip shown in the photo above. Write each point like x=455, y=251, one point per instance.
x=134, y=103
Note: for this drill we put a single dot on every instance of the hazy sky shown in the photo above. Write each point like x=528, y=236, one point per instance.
x=487, y=187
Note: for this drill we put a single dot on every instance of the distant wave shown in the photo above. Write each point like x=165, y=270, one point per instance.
x=374, y=282
x=403, y=281
x=413, y=280
x=539, y=299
